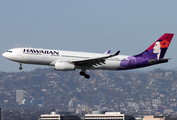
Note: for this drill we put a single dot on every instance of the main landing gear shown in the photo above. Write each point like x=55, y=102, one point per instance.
x=20, y=68
x=83, y=73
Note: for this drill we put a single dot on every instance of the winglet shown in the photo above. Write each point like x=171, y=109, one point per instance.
x=107, y=52
x=116, y=53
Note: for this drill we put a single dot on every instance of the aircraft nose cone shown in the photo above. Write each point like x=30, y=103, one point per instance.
x=4, y=55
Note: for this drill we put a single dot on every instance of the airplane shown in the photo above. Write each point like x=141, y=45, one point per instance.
x=70, y=60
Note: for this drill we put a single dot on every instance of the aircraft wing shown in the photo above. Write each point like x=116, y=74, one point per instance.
x=94, y=61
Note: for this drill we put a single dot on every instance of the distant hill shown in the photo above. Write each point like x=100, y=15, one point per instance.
x=109, y=90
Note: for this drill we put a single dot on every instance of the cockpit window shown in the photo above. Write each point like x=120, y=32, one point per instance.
x=9, y=51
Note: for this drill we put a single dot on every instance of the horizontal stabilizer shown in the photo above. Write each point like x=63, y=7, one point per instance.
x=153, y=61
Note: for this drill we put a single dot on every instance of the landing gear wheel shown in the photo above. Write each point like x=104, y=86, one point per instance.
x=83, y=73
x=87, y=76
x=20, y=68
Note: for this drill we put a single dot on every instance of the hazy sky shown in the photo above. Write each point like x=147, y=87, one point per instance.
x=130, y=26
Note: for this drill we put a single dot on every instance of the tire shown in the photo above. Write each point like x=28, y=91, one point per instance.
x=20, y=68
x=87, y=76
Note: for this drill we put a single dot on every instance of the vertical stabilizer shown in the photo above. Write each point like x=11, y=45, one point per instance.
x=158, y=49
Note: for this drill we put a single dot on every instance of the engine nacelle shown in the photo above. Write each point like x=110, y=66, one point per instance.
x=64, y=66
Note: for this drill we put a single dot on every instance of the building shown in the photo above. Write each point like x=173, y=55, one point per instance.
x=158, y=118
x=26, y=102
x=37, y=101
x=52, y=116
x=6, y=118
x=156, y=103
x=167, y=111
x=70, y=103
x=55, y=116
x=102, y=115
x=19, y=96
x=71, y=106
x=153, y=118
x=79, y=109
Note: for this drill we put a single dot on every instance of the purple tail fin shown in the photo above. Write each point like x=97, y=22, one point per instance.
x=158, y=49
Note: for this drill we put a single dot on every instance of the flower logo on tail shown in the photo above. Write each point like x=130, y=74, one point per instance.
x=164, y=44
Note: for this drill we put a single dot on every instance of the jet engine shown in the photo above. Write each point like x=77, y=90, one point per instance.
x=64, y=66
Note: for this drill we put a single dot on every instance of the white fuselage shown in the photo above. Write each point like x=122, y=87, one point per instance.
x=50, y=57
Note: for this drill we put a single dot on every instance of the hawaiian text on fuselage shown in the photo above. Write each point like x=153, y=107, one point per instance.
x=41, y=51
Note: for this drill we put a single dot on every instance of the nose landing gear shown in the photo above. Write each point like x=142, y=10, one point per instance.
x=83, y=73
x=20, y=68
